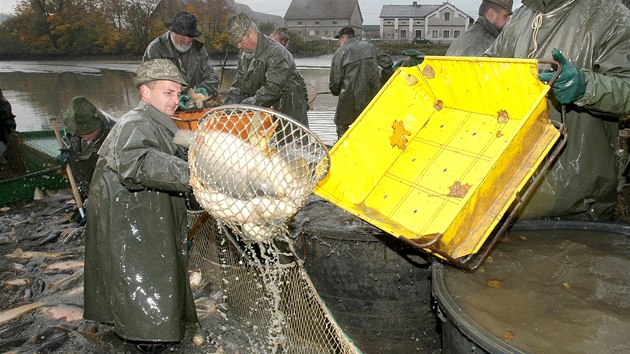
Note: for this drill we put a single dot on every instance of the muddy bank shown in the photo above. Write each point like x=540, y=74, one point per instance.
x=41, y=274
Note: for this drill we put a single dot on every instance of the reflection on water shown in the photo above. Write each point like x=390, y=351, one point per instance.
x=41, y=90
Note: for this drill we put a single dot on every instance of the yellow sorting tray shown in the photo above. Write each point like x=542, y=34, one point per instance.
x=441, y=152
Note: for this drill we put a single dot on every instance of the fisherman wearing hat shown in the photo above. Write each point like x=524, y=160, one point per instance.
x=135, y=245
x=187, y=53
x=86, y=129
x=266, y=73
x=493, y=15
x=355, y=76
x=281, y=35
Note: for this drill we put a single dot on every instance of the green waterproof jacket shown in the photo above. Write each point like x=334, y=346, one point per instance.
x=195, y=64
x=475, y=40
x=355, y=77
x=135, y=245
x=595, y=37
x=268, y=77
x=84, y=154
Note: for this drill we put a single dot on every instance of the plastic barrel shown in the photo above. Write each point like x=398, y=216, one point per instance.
x=376, y=287
x=557, y=285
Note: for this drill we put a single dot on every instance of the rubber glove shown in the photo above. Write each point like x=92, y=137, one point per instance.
x=182, y=101
x=202, y=90
x=64, y=157
x=570, y=84
x=250, y=100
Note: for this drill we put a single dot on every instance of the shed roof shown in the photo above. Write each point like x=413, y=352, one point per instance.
x=320, y=9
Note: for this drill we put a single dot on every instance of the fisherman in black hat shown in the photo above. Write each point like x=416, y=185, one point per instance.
x=187, y=53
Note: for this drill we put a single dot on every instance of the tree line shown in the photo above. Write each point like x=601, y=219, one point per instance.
x=80, y=28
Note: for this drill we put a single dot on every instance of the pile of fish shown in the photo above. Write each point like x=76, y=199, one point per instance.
x=41, y=274
x=250, y=182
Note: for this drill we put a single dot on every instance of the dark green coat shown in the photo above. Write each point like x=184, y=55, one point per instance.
x=475, y=40
x=195, y=64
x=84, y=154
x=355, y=77
x=269, y=78
x=135, y=255
x=595, y=37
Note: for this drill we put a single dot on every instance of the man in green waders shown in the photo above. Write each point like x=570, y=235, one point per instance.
x=135, y=246
x=591, y=39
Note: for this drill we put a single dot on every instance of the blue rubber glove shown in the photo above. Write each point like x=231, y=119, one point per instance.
x=64, y=157
x=202, y=90
x=182, y=101
x=570, y=84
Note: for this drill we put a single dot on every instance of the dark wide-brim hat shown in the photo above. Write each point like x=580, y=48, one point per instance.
x=346, y=30
x=185, y=24
x=82, y=117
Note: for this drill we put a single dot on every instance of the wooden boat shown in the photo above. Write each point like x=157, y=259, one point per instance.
x=35, y=166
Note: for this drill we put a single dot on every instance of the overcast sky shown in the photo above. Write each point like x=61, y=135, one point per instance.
x=369, y=8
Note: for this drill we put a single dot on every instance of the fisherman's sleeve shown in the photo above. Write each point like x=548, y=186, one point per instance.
x=210, y=77
x=336, y=75
x=277, y=74
x=236, y=93
x=608, y=83
x=383, y=60
x=143, y=165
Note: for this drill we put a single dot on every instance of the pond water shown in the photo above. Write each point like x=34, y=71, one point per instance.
x=40, y=90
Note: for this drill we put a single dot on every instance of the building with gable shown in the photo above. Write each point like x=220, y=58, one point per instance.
x=322, y=19
x=436, y=23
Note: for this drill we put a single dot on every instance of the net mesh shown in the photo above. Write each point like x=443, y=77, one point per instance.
x=254, y=168
x=251, y=170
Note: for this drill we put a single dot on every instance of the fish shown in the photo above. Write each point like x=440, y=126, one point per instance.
x=8, y=315
x=68, y=312
x=63, y=265
x=21, y=254
x=196, y=99
x=20, y=282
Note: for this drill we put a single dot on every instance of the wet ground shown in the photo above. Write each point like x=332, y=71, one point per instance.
x=41, y=274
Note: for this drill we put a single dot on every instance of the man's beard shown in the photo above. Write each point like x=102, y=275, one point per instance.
x=182, y=48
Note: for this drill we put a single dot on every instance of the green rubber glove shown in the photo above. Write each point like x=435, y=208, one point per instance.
x=202, y=90
x=182, y=101
x=570, y=84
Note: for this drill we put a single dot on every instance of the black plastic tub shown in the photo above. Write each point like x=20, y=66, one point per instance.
x=547, y=287
x=376, y=287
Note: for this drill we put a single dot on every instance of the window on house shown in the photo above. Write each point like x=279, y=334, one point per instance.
x=317, y=33
x=334, y=22
x=325, y=33
x=446, y=34
x=317, y=22
x=418, y=33
x=403, y=34
x=418, y=23
x=389, y=22
x=311, y=33
x=456, y=33
x=447, y=16
x=299, y=22
x=434, y=33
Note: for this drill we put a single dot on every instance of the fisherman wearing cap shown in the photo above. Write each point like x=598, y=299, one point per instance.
x=180, y=46
x=354, y=76
x=266, y=72
x=281, y=35
x=7, y=128
x=135, y=246
x=86, y=129
x=493, y=15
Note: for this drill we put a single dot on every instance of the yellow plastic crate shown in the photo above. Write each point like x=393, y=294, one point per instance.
x=441, y=152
